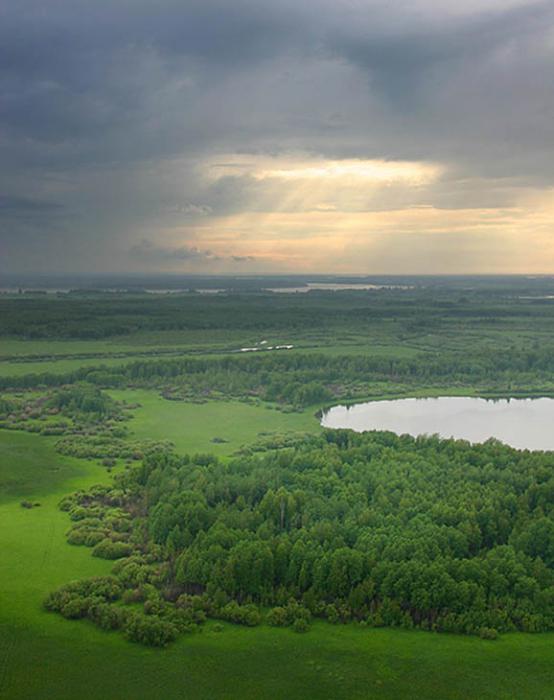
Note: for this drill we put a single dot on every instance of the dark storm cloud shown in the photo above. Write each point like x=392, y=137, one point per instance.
x=125, y=81
x=406, y=63
x=15, y=206
x=109, y=109
x=73, y=70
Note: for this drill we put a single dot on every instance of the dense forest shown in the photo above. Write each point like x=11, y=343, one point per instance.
x=385, y=530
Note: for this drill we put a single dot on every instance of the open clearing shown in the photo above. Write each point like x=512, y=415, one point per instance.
x=193, y=426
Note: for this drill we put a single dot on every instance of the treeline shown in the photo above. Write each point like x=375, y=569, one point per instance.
x=386, y=530
x=303, y=379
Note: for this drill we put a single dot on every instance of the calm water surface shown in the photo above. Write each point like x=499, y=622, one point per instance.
x=521, y=423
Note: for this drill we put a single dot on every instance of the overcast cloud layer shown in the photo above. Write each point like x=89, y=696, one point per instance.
x=262, y=136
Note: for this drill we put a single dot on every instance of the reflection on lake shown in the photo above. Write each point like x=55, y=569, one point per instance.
x=521, y=423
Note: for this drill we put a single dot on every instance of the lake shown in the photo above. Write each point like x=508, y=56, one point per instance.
x=332, y=287
x=521, y=423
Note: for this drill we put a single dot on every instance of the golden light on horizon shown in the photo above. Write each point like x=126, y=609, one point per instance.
x=411, y=239
x=300, y=213
x=306, y=168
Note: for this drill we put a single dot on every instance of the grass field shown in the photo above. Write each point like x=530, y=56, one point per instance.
x=59, y=357
x=135, y=342
x=192, y=426
x=29, y=466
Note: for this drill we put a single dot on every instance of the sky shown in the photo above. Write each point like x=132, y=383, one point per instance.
x=263, y=136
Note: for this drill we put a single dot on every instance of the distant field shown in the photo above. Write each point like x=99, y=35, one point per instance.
x=60, y=364
x=59, y=357
x=134, y=342
x=56, y=366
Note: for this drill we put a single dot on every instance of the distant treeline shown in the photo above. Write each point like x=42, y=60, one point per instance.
x=309, y=378
x=105, y=315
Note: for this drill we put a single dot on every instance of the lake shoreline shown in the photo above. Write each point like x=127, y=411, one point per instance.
x=520, y=422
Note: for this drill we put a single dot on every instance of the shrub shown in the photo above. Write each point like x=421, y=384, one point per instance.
x=107, y=587
x=296, y=611
x=149, y=630
x=488, y=633
x=277, y=617
x=248, y=615
x=78, y=513
x=153, y=606
x=106, y=549
x=300, y=625
x=76, y=607
x=67, y=503
x=197, y=603
x=186, y=619
x=85, y=536
x=26, y=504
x=106, y=616
x=282, y=616
x=332, y=614
x=133, y=595
x=74, y=599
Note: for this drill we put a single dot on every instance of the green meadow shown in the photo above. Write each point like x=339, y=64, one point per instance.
x=192, y=427
x=18, y=358
x=137, y=342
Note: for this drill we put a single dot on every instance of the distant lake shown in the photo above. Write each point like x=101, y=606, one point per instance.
x=521, y=423
x=332, y=287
